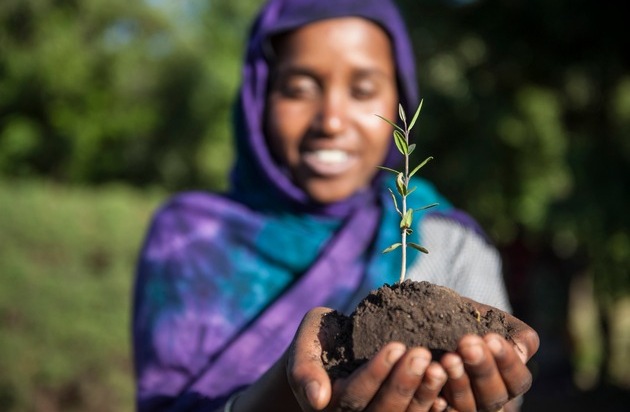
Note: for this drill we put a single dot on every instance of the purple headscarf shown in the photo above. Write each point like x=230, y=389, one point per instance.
x=257, y=177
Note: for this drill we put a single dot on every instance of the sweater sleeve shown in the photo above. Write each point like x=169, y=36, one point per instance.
x=461, y=258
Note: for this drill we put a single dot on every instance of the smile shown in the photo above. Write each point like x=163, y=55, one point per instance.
x=328, y=162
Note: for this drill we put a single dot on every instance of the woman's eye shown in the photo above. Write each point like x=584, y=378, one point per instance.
x=299, y=88
x=364, y=91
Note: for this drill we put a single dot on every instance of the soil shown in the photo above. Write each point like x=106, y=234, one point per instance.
x=415, y=313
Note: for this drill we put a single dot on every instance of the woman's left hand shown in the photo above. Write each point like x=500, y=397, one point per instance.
x=484, y=373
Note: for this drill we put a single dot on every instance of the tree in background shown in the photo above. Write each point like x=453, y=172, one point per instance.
x=137, y=91
x=528, y=116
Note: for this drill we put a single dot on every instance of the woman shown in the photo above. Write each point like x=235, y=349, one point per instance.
x=231, y=287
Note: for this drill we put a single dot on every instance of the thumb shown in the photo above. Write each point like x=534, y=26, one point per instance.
x=305, y=371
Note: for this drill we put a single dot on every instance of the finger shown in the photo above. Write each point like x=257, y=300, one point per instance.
x=400, y=386
x=525, y=338
x=527, y=342
x=357, y=391
x=485, y=379
x=457, y=389
x=516, y=376
x=305, y=372
x=440, y=405
x=426, y=397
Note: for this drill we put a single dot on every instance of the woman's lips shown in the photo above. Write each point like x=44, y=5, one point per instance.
x=328, y=162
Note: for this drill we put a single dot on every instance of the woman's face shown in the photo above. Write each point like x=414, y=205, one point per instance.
x=329, y=81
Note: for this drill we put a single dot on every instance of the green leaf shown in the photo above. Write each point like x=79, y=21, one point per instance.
x=391, y=123
x=401, y=113
x=388, y=169
x=400, y=184
x=410, y=191
x=401, y=143
x=412, y=147
x=407, y=219
x=427, y=206
x=418, y=247
x=415, y=116
x=392, y=247
x=413, y=172
x=394, y=199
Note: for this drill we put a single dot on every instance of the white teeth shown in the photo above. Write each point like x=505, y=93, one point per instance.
x=331, y=156
x=329, y=162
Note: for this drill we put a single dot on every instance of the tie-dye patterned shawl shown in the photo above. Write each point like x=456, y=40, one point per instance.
x=224, y=280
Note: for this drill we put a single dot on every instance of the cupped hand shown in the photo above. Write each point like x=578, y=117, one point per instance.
x=486, y=372
x=483, y=374
x=395, y=379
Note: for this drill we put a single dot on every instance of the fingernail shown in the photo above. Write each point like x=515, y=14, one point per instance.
x=435, y=377
x=418, y=365
x=456, y=369
x=312, y=392
x=440, y=404
x=495, y=346
x=521, y=352
x=473, y=354
x=394, y=354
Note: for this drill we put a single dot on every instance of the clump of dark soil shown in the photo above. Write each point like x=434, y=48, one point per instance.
x=415, y=313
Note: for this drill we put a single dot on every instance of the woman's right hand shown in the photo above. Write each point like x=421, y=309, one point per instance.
x=395, y=379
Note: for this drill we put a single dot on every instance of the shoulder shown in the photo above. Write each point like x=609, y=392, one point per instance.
x=187, y=210
x=454, y=222
x=191, y=203
x=189, y=216
x=462, y=257
x=180, y=212
x=456, y=237
x=454, y=240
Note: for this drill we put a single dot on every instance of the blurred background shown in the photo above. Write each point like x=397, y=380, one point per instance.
x=109, y=106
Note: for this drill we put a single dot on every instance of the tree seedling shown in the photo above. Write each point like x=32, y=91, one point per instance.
x=403, y=178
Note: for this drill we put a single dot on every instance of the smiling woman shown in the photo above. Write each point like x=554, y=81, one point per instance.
x=320, y=119
x=230, y=287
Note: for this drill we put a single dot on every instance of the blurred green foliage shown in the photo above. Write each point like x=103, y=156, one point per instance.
x=527, y=112
x=137, y=91
x=66, y=259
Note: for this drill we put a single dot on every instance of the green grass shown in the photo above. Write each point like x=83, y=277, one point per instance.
x=67, y=257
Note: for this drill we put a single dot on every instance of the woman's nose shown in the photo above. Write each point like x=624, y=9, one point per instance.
x=332, y=117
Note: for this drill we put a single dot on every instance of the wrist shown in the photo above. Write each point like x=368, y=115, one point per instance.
x=271, y=392
x=229, y=405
